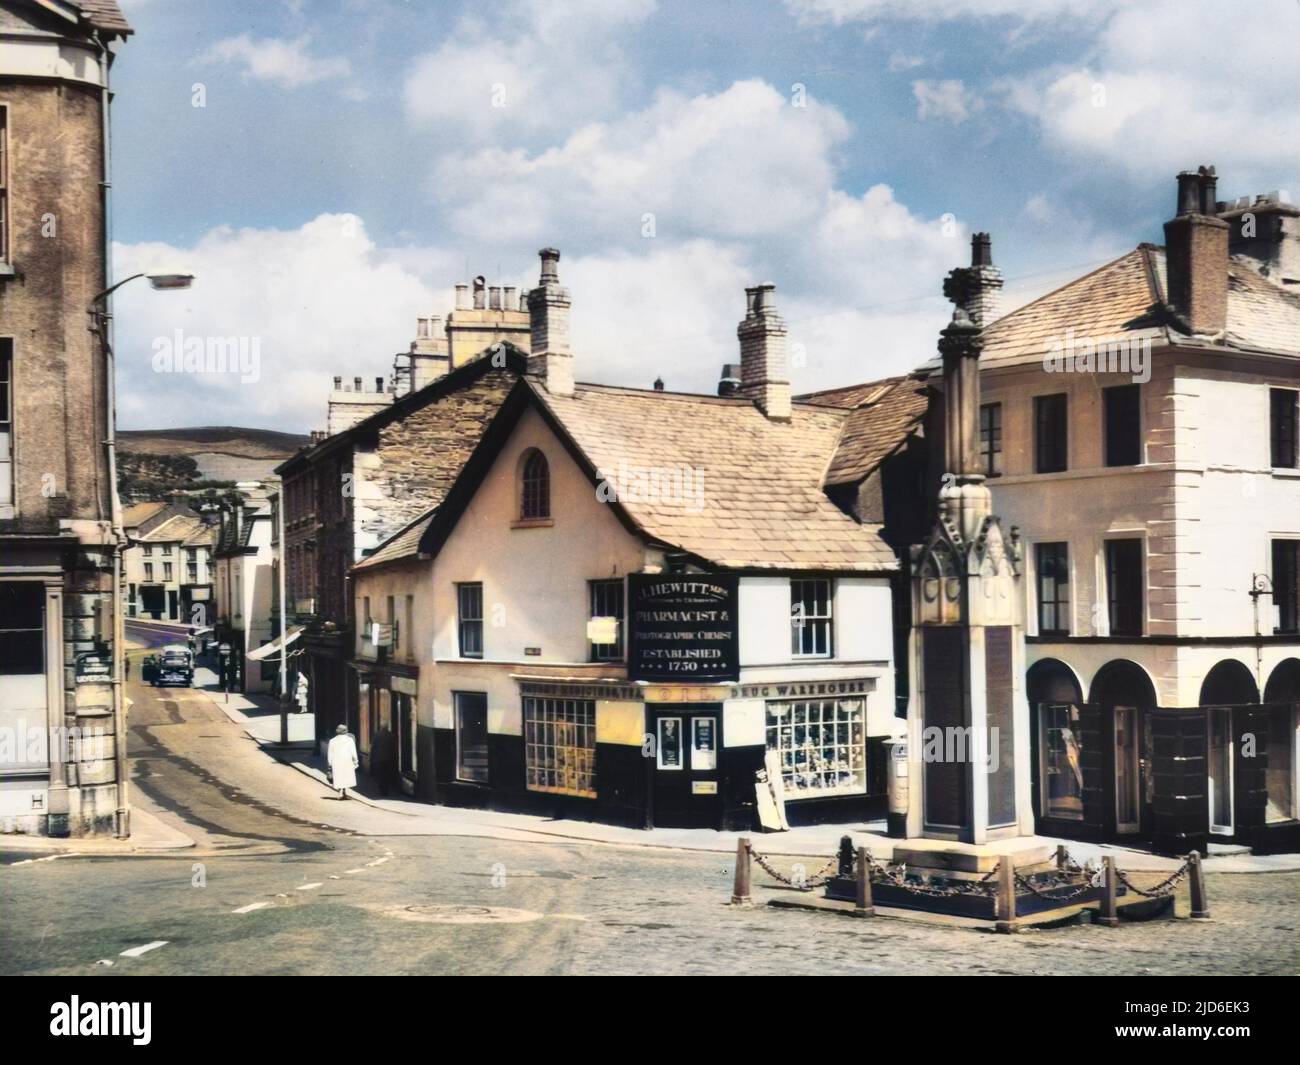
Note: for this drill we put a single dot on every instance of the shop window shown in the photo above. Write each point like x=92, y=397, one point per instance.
x=536, y=495
x=560, y=746
x=471, y=737
x=1061, y=764
x=469, y=605
x=1286, y=585
x=821, y=746
x=22, y=628
x=810, y=618
x=607, y=602
x=1051, y=433
x=991, y=439
x=1124, y=586
x=1053, y=564
x=1123, y=430
x=1284, y=437
x=6, y=407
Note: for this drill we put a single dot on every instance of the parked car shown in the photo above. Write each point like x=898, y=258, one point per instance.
x=173, y=664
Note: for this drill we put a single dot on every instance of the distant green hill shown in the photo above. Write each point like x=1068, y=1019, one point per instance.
x=153, y=463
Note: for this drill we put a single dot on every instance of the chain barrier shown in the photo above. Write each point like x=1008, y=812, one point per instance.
x=897, y=876
x=810, y=883
x=1166, y=887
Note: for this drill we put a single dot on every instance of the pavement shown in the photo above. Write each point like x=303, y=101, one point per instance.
x=259, y=716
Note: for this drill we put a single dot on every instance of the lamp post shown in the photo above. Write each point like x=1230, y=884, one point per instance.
x=223, y=651
x=101, y=324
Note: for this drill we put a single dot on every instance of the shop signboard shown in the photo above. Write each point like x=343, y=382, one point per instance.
x=682, y=627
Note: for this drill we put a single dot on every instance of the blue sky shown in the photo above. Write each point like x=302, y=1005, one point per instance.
x=352, y=160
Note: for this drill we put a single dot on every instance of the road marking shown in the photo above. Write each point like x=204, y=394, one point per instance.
x=346, y=871
x=49, y=858
x=377, y=861
x=309, y=887
x=334, y=876
x=251, y=907
x=135, y=952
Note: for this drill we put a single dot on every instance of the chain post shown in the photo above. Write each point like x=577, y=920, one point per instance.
x=1200, y=905
x=1006, y=900
x=864, y=907
x=1110, y=888
x=740, y=889
x=1062, y=857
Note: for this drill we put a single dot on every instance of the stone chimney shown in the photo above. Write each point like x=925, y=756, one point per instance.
x=1196, y=255
x=977, y=289
x=1266, y=229
x=764, y=370
x=548, y=315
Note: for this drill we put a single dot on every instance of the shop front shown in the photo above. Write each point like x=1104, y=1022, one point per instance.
x=388, y=739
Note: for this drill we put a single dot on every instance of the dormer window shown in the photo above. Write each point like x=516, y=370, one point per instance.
x=535, y=501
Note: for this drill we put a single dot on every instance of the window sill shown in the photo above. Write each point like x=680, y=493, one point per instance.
x=1285, y=471
x=7, y=270
x=532, y=523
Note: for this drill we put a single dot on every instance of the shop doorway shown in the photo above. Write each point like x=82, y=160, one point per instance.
x=687, y=777
x=1125, y=699
x=1132, y=769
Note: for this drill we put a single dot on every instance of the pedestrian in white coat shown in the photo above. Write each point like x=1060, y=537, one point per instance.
x=342, y=757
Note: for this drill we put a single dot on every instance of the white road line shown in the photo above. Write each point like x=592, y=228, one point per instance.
x=49, y=858
x=377, y=861
x=251, y=907
x=309, y=887
x=135, y=952
x=346, y=871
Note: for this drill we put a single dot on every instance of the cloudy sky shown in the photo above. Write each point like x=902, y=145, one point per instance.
x=330, y=168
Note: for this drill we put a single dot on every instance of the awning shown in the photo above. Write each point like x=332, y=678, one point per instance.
x=267, y=650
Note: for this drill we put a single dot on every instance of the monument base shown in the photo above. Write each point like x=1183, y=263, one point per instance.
x=943, y=855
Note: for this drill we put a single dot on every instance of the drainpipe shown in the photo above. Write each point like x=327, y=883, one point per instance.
x=123, y=817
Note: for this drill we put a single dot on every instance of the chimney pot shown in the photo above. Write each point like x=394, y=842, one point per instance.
x=548, y=319
x=729, y=380
x=356, y=384
x=462, y=297
x=981, y=250
x=550, y=266
x=338, y=383
x=480, y=294
x=509, y=300
x=1196, y=255
x=494, y=297
x=1189, y=192
x=659, y=384
x=379, y=384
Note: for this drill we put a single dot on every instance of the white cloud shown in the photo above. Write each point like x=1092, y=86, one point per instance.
x=841, y=11
x=901, y=61
x=533, y=69
x=285, y=62
x=1197, y=99
x=947, y=100
x=318, y=300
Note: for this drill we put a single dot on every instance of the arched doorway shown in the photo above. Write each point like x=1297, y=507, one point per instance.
x=1234, y=776
x=1282, y=714
x=1124, y=693
x=1056, y=706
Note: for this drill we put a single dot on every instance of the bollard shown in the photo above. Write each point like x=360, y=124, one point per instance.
x=740, y=889
x=1200, y=905
x=1062, y=857
x=1006, y=900
x=864, y=907
x=1110, y=886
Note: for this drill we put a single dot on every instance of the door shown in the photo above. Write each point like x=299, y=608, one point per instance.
x=1128, y=771
x=172, y=605
x=687, y=782
x=1219, y=768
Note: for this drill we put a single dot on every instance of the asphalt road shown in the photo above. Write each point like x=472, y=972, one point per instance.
x=287, y=880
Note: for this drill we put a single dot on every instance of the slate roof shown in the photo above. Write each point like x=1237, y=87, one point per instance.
x=137, y=514
x=181, y=528
x=403, y=544
x=1126, y=298
x=104, y=15
x=753, y=495
x=881, y=416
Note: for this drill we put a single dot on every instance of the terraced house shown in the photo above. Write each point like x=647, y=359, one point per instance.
x=1139, y=426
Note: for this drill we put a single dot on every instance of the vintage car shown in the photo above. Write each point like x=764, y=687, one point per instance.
x=172, y=664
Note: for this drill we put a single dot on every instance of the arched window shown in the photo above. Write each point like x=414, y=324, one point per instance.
x=536, y=496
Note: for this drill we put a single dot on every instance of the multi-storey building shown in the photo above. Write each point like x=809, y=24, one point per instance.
x=168, y=564
x=393, y=455
x=1139, y=426
x=647, y=607
x=244, y=561
x=60, y=533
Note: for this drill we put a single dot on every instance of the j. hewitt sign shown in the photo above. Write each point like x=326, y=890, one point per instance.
x=682, y=627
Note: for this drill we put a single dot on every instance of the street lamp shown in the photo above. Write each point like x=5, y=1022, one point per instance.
x=224, y=652
x=101, y=324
